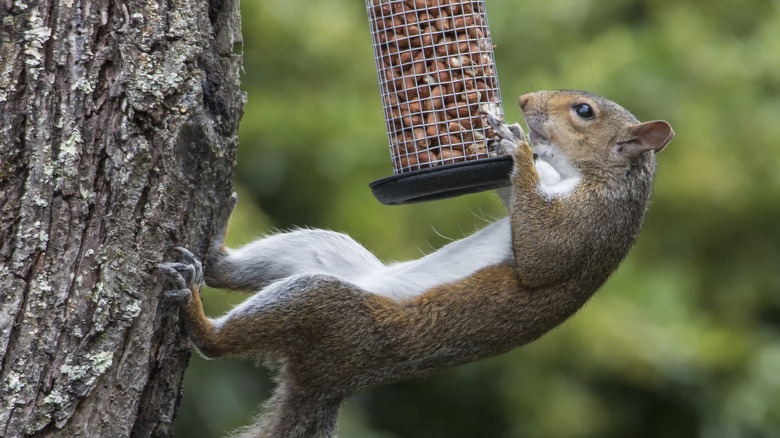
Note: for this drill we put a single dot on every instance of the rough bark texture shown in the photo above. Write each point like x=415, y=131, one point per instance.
x=118, y=124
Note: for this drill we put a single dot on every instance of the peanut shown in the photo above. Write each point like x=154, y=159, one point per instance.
x=451, y=155
x=424, y=157
x=447, y=140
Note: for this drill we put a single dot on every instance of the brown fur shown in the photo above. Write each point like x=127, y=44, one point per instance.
x=330, y=339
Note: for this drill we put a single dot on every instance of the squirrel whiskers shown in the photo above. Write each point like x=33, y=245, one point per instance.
x=332, y=319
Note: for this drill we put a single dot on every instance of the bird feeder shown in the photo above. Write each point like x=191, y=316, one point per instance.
x=437, y=74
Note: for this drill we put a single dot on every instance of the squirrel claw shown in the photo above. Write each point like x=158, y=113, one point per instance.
x=181, y=295
x=511, y=136
x=173, y=274
x=504, y=147
x=185, y=276
x=517, y=130
x=191, y=262
x=513, y=133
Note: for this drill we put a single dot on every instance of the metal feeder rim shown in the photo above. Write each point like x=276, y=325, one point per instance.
x=443, y=182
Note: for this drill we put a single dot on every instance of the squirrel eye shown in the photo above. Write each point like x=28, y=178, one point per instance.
x=583, y=110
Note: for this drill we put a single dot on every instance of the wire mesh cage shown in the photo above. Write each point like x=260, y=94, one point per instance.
x=437, y=73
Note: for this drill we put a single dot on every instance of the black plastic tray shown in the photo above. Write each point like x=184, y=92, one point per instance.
x=444, y=181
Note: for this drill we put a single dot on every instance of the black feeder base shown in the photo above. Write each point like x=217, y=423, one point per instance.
x=444, y=181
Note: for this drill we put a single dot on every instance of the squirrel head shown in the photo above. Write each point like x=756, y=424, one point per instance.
x=589, y=133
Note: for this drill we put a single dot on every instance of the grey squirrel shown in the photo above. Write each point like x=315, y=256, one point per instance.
x=333, y=320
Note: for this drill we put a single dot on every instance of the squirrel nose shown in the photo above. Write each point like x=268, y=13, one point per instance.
x=523, y=100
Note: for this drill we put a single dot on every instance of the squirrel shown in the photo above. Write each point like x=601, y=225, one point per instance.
x=332, y=319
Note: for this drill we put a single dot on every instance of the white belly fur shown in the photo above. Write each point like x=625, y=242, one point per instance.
x=453, y=262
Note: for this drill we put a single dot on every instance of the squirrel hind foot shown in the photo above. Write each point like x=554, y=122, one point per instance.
x=193, y=264
x=186, y=275
x=175, y=274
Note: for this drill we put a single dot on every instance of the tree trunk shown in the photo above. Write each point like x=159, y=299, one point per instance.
x=118, y=133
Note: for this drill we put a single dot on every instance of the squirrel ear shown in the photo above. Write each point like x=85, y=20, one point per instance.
x=648, y=136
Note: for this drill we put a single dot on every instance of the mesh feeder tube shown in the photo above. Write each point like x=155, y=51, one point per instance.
x=436, y=69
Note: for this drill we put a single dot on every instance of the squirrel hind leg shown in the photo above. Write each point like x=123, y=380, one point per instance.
x=259, y=263
x=186, y=277
x=218, y=241
x=216, y=259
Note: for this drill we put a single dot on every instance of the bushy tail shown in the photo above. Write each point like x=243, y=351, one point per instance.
x=290, y=413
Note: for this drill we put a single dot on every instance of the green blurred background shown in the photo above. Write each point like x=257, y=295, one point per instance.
x=683, y=341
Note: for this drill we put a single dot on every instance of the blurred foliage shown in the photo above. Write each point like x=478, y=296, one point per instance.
x=683, y=341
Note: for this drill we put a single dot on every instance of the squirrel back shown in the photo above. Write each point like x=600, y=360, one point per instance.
x=332, y=319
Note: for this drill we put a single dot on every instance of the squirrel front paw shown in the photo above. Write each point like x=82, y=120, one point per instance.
x=186, y=276
x=512, y=136
x=513, y=142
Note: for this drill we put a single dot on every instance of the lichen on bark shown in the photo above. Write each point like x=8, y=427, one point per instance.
x=118, y=131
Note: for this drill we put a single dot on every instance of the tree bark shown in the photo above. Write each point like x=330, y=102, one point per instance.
x=118, y=133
